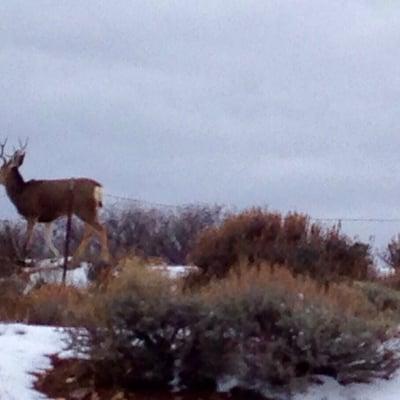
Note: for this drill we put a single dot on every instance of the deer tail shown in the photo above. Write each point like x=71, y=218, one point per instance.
x=98, y=195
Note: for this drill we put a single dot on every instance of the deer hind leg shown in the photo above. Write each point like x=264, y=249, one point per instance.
x=87, y=233
x=101, y=232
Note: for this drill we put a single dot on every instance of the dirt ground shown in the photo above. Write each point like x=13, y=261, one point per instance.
x=70, y=379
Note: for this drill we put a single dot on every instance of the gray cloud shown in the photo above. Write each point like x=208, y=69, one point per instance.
x=285, y=103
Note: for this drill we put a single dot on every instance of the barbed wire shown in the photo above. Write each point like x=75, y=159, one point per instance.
x=357, y=219
x=320, y=219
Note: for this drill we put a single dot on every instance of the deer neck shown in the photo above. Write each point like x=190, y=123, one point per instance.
x=14, y=184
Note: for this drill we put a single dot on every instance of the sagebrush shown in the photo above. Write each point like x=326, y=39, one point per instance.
x=266, y=328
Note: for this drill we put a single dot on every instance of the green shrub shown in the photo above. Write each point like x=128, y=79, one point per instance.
x=385, y=299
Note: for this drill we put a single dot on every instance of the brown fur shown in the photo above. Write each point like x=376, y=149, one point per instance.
x=47, y=200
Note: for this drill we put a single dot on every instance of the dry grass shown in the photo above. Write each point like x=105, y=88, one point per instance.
x=392, y=281
x=60, y=305
x=55, y=304
x=12, y=305
x=49, y=305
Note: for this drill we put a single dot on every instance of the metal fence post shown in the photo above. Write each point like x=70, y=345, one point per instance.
x=68, y=229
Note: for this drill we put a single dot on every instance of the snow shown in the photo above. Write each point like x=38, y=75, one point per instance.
x=332, y=390
x=382, y=389
x=51, y=271
x=174, y=271
x=24, y=350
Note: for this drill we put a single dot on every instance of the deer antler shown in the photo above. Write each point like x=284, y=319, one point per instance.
x=18, y=155
x=21, y=149
x=2, y=146
x=23, y=146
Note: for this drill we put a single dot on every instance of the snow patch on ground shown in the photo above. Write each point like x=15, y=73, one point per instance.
x=24, y=350
x=332, y=390
x=52, y=272
x=174, y=271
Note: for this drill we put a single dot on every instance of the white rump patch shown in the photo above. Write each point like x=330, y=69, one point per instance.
x=98, y=194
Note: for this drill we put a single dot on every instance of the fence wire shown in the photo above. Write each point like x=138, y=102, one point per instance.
x=120, y=202
x=146, y=204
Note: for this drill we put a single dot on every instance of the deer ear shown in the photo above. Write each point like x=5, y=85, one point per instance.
x=17, y=160
x=21, y=159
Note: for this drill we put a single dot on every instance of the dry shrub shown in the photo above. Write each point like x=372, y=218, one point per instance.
x=156, y=232
x=267, y=329
x=53, y=304
x=135, y=308
x=391, y=280
x=56, y=305
x=10, y=249
x=12, y=240
x=134, y=277
x=12, y=307
x=256, y=236
x=64, y=305
x=293, y=327
x=338, y=297
x=391, y=255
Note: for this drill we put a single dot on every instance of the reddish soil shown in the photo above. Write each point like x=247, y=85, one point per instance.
x=71, y=379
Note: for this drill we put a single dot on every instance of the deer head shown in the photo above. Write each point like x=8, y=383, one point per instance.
x=13, y=161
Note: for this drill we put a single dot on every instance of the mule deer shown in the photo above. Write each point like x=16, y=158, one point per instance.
x=44, y=201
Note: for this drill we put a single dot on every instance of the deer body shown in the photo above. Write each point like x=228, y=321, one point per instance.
x=44, y=201
x=47, y=200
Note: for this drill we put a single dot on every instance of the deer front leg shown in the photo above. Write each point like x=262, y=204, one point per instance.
x=48, y=237
x=29, y=234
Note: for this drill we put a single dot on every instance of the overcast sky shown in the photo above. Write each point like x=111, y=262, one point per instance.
x=290, y=104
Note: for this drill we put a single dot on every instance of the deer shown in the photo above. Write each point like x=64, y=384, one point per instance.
x=46, y=200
